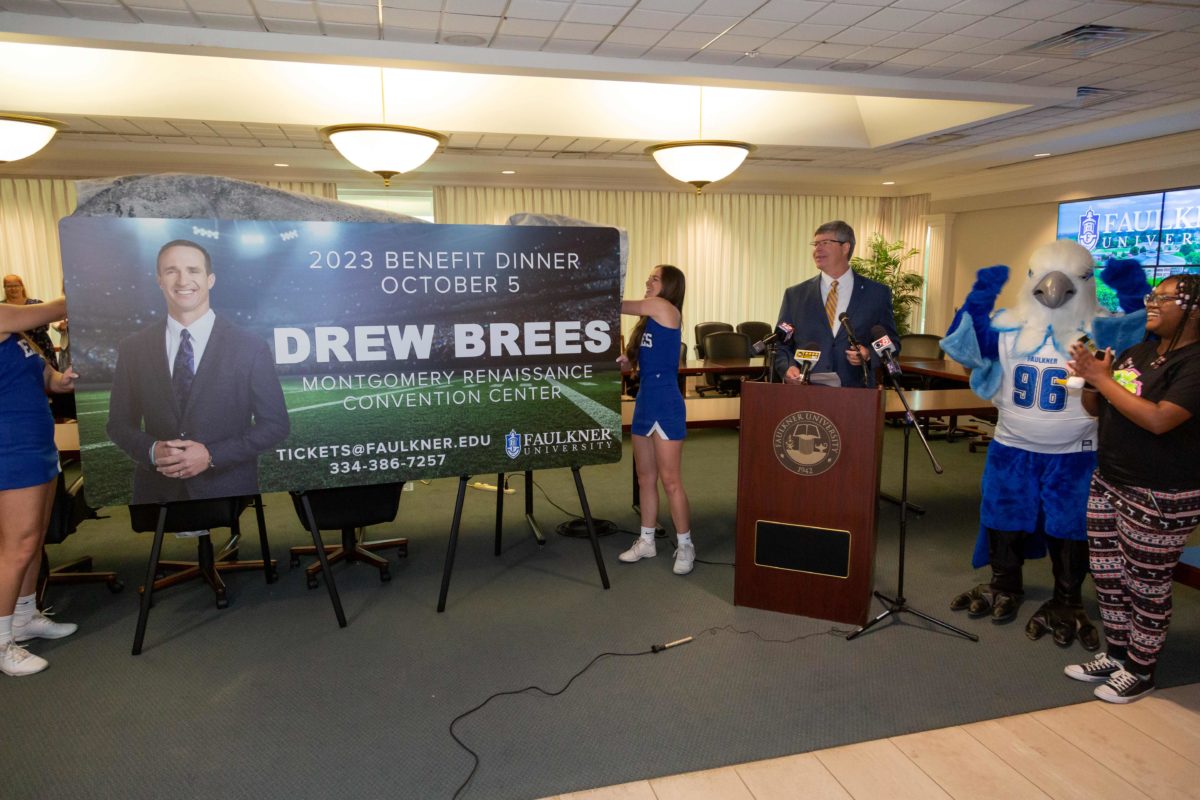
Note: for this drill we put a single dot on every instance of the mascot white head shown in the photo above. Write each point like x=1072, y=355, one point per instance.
x=1057, y=301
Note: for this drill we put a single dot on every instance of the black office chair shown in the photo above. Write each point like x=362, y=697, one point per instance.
x=70, y=508
x=757, y=331
x=703, y=329
x=350, y=509
x=194, y=515
x=725, y=345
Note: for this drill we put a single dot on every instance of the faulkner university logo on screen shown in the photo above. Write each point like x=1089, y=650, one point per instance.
x=806, y=443
x=1089, y=229
x=564, y=441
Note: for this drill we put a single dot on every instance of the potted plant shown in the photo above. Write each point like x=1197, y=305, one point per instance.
x=883, y=263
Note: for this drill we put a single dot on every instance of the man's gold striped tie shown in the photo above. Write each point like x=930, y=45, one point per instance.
x=831, y=304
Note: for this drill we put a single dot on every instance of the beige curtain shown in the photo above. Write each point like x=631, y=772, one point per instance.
x=29, y=213
x=739, y=252
x=314, y=188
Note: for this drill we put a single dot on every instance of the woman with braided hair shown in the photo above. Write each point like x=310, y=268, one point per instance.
x=1144, y=499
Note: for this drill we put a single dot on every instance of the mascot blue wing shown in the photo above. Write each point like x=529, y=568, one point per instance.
x=1119, y=333
x=1127, y=278
x=976, y=345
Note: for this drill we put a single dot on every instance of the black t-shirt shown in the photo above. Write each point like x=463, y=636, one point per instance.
x=1132, y=455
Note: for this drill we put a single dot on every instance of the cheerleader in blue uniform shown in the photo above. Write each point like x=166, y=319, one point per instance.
x=659, y=424
x=28, y=472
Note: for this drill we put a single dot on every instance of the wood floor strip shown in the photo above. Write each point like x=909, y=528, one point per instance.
x=879, y=771
x=1168, y=722
x=790, y=777
x=964, y=768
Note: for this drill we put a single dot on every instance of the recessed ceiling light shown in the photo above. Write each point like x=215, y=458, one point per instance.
x=508, y=172
x=1040, y=155
x=464, y=39
x=283, y=165
x=889, y=183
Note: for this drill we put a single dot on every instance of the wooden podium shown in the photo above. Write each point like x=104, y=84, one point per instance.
x=808, y=479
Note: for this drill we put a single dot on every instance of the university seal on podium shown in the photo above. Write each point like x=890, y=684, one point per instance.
x=806, y=443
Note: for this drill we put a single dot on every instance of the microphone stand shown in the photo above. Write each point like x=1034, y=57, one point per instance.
x=899, y=604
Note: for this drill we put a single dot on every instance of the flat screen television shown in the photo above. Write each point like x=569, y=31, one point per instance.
x=1159, y=229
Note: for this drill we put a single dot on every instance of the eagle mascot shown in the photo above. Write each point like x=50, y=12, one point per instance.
x=1039, y=464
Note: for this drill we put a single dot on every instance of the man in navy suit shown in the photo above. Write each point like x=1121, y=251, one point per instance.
x=194, y=399
x=812, y=309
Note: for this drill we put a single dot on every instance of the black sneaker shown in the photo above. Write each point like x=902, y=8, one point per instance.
x=1100, y=668
x=1124, y=687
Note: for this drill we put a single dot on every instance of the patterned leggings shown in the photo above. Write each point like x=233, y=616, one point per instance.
x=1135, y=538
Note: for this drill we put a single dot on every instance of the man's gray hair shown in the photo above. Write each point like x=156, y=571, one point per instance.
x=841, y=231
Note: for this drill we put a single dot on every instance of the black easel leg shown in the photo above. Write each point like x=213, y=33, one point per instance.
x=532, y=520
x=325, y=570
x=449, y=565
x=499, y=508
x=591, y=526
x=268, y=566
x=148, y=589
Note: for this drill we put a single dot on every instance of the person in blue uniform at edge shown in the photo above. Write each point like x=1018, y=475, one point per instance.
x=28, y=473
x=813, y=307
x=659, y=419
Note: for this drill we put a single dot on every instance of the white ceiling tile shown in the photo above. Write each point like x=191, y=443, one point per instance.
x=617, y=50
x=898, y=19
x=1039, y=9
x=1010, y=62
x=242, y=7
x=285, y=9
x=925, y=5
x=41, y=7
x=863, y=36
x=411, y=5
x=918, y=58
x=806, y=62
x=627, y=34
x=353, y=15
x=788, y=11
x=876, y=54
x=469, y=23
x=164, y=16
x=962, y=60
x=972, y=75
x=706, y=23
x=540, y=28
x=762, y=27
x=1089, y=12
x=982, y=6
x=229, y=22
x=825, y=50
x=299, y=26
x=945, y=23
x=524, y=43
x=595, y=14
x=177, y=5
x=812, y=32
x=346, y=30
x=994, y=27
x=762, y=60
x=909, y=39
x=537, y=9
x=890, y=68
x=740, y=44
x=957, y=44
x=662, y=20
x=415, y=20
x=1143, y=16
x=786, y=47
x=738, y=7
x=569, y=46
x=580, y=32
x=1037, y=31
x=99, y=13
x=685, y=39
x=493, y=8
x=846, y=14
x=684, y=6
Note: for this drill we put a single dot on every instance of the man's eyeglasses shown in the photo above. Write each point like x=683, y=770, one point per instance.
x=1158, y=299
x=823, y=242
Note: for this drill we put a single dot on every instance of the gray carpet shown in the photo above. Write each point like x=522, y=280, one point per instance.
x=270, y=699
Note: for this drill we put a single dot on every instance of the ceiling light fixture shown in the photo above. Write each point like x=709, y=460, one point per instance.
x=1040, y=155
x=22, y=136
x=508, y=172
x=889, y=183
x=700, y=161
x=384, y=149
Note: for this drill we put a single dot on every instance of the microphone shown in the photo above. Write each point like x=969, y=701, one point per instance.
x=806, y=357
x=844, y=318
x=782, y=333
x=883, y=347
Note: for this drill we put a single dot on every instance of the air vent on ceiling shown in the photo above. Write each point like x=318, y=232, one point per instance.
x=1088, y=96
x=1088, y=40
x=942, y=138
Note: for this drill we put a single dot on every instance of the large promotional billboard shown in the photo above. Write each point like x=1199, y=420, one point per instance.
x=229, y=357
x=1161, y=230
